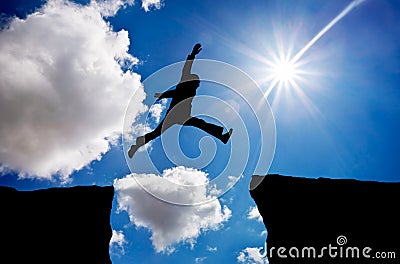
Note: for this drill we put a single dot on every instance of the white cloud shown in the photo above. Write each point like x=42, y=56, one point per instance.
x=111, y=7
x=63, y=93
x=264, y=233
x=157, y=109
x=170, y=224
x=254, y=214
x=147, y=4
x=117, y=242
x=251, y=255
x=233, y=180
x=212, y=249
x=200, y=259
x=136, y=130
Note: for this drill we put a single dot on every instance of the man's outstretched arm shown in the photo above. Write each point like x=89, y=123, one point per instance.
x=187, y=68
x=166, y=94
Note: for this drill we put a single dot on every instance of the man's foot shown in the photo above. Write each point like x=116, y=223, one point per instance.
x=132, y=150
x=226, y=136
x=140, y=141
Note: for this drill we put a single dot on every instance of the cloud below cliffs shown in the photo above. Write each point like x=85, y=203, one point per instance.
x=170, y=224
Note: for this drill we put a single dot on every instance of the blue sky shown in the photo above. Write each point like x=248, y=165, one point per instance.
x=340, y=119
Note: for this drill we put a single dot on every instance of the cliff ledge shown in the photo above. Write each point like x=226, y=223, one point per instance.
x=56, y=225
x=329, y=220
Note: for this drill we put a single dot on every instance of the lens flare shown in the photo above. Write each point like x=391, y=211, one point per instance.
x=341, y=15
x=284, y=71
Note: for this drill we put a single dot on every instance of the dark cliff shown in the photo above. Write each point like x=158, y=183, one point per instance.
x=56, y=225
x=329, y=220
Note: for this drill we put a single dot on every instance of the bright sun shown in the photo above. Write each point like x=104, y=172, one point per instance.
x=284, y=71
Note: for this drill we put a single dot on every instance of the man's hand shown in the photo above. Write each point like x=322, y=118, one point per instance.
x=196, y=49
x=157, y=95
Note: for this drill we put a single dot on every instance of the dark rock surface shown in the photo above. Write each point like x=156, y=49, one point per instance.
x=56, y=225
x=344, y=216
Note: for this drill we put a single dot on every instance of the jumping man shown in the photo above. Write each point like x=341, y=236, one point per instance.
x=179, y=111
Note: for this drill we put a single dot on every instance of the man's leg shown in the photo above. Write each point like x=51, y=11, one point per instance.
x=211, y=129
x=142, y=140
x=151, y=135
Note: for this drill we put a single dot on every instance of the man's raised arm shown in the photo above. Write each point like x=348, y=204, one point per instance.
x=187, y=68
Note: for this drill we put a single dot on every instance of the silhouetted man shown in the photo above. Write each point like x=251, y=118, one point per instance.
x=179, y=111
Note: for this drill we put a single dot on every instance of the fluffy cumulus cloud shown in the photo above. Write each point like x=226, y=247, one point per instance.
x=169, y=224
x=111, y=7
x=117, y=242
x=147, y=4
x=157, y=109
x=254, y=214
x=65, y=84
x=251, y=255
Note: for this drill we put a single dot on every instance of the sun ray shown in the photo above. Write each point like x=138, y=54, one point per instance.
x=271, y=86
x=342, y=14
x=284, y=69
